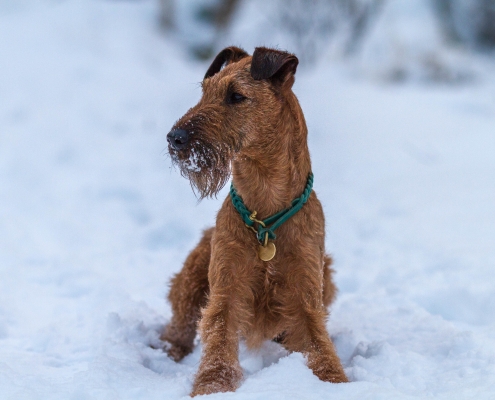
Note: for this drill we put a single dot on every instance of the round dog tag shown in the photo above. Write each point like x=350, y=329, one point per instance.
x=266, y=253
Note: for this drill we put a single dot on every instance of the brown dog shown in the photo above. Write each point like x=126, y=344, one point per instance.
x=250, y=122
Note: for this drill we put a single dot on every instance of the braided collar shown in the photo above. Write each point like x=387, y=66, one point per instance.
x=265, y=229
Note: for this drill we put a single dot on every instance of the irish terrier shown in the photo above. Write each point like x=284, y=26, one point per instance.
x=235, y=283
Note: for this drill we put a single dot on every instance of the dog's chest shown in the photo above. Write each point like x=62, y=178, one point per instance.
x=269, y=289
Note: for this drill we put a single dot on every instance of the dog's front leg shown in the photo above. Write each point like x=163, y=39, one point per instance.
x=320, y=351
x=219, y=370
x=313, y=341
x=307, y=333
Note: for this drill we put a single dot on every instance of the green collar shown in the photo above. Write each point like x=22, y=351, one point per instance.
x=263, y=232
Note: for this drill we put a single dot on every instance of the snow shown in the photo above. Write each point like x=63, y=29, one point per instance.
x=94, y=221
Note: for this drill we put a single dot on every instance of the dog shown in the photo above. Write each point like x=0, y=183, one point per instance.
x=243, y=279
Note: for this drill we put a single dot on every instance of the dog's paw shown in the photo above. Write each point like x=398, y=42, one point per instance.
x=174, y=345
x=177, y=352
x=216, y=378
x=329, y=373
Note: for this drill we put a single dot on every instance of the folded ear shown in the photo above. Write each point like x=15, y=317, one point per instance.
x=277, y=66
x=225, y=57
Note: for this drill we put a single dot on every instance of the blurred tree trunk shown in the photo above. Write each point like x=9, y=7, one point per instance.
x=468, y=21
x=486, y=33
x=198, y=23
x=314, y=23
x=167, y=21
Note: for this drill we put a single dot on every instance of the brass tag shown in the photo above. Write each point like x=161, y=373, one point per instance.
x=266, y=253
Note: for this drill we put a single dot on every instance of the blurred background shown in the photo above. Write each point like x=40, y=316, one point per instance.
x=399, y=98
x=395, y=40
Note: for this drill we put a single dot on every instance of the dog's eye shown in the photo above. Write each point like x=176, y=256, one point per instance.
x=234, y=98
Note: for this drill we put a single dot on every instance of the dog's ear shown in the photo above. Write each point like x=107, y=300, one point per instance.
x=226, y=56
x=277, y=66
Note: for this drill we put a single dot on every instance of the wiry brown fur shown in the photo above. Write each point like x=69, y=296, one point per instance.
x=223, y=284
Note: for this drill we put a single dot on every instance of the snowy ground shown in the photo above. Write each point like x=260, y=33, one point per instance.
x=93, y=221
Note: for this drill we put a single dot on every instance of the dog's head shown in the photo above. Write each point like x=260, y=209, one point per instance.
x=243, y=97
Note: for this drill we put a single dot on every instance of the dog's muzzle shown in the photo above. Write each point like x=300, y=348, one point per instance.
x=178, y=138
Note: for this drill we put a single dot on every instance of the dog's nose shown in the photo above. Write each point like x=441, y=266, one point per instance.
x=178, y=138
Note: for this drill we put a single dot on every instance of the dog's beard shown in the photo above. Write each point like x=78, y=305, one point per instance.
x=206, y=165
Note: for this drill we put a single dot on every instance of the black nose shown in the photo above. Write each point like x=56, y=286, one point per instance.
x=178, y=138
